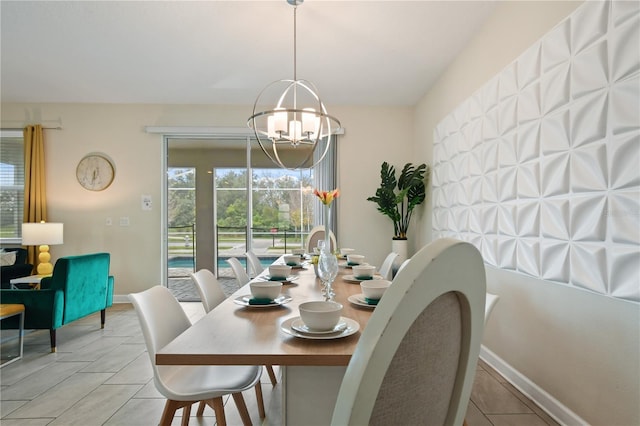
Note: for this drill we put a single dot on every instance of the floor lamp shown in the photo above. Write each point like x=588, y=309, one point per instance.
x=42, y=234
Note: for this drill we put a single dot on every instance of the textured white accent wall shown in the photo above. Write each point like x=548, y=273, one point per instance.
x=540, y=168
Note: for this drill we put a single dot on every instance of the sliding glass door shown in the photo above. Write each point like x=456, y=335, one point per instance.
x=225, y=197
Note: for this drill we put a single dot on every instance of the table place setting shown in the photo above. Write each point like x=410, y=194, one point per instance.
x=294, y=261
x=344, y=251
x=268, y=278
x=353, y=260
x=372, y=292
x=264, y=294
x=278, y=272
x=362, y=273
x=320, y=320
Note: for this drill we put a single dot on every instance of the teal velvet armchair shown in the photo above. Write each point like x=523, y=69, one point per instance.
x=79, y=286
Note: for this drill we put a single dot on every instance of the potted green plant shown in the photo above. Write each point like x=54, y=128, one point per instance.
x=397, y=198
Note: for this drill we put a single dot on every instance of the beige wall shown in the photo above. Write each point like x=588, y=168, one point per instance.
x=573, y=350
x=118, y=131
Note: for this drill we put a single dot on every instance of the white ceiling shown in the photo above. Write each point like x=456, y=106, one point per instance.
x=225, y=52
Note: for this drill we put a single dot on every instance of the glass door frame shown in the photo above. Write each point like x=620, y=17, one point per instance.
x=217, y=133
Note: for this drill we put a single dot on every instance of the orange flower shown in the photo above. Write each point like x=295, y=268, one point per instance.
x=327, y=197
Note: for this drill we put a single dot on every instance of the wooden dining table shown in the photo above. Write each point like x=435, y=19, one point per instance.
x=312, y=369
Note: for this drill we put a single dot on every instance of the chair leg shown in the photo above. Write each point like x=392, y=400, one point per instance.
x=201, y=408
x=242, y=408
x=170, y=408
x=169, y=412
x=186, y=413
x=260, y=400
x=272, y=375
x=103, y=315
x=218, y=408
x=52, y=338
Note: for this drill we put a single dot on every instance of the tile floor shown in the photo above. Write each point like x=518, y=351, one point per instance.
x=104, y=377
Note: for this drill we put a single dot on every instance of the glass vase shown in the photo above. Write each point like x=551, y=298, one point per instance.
x=327, y=263
x=327, y=230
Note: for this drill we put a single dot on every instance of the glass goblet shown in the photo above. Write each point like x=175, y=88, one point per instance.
x=328, y=271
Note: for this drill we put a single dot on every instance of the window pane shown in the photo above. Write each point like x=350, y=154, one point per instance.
x=11, y=185
x=181, y=217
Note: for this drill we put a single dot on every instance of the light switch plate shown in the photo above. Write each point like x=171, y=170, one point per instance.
x=146, y=202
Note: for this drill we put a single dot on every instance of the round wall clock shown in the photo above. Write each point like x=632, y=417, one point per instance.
x=95, y=172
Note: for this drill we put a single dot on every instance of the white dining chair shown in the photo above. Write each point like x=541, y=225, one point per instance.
x=415, y=361
x=162, y=319
x=316, y=234
x=254, y=263
x=239, y=271
x=386, y=270
x=212, y=295
x=209, y=288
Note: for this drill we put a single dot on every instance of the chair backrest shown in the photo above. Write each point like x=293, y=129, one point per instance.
x=162, y=319
x=416, y=358
x=492, y=299
x=238, y=271
x=386, y=270
x=254, y=263
x=316, y=234
x=84, y=279
x=209, y=288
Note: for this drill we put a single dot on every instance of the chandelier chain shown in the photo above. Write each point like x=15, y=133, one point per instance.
x=295, y=37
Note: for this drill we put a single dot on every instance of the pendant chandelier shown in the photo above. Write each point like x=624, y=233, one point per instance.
x=290, y=121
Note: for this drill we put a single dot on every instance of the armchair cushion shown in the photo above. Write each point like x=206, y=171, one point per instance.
x=7, y=258
x=20, y=268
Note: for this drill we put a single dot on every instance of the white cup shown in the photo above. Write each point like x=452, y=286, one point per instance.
x=320, y=315
x=292, y=259
x=279, y=271
x=374, y=289
x=265, y=289
x=363, y=271
x=355, y=259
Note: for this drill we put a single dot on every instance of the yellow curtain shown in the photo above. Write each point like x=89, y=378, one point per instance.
x=35, y=200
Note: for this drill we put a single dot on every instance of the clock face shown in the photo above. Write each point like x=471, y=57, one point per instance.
x=95, y=172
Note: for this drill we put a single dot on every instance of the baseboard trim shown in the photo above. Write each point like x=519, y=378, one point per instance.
x=121, y=298
x=547, y=402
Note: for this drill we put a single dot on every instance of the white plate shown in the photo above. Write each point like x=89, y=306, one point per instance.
x=244, y=301
x=301, y=266
x=299, y=325
x=284, y=280
x=346, y=265
x=359, y=300
x=353, y=279
x=352, y=328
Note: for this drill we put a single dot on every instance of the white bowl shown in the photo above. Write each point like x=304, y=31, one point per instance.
x=345, y=251
x=363, y=270
x=320, y=315
x=292, y=259
x=374, y=289
x=265, y=289
x=279, y=271
x=355, y=258
x=299, y=252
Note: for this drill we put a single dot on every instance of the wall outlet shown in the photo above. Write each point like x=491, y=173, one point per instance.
x=108, y=222
x=124, y=221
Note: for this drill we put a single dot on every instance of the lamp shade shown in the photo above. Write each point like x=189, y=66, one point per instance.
x=43, y=233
